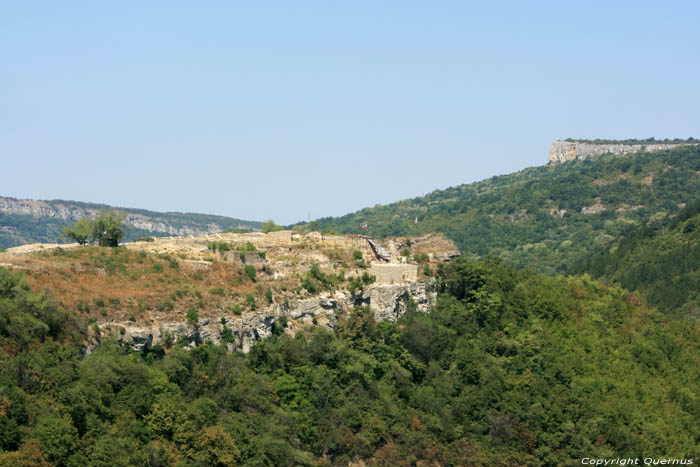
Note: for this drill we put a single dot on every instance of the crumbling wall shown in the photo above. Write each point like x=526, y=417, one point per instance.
x=393, y=273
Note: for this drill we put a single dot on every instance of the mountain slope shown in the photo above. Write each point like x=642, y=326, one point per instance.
x=509, y=368
x=546, y=218
x=29, y=221
x=660, y=260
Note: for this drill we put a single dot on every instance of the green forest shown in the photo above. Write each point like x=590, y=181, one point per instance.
x=660, y=260
x=546, y=218
x=510, y=368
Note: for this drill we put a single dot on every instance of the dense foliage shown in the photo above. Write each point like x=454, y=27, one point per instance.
x=107, y=229
x=510, y=368
x=545, y=218
x=660, y=260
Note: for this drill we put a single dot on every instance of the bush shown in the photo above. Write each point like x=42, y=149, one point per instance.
x=192, y=316
x=221, y=247
x=250, y=301
x=270, y=226
x=217, y=291
x=250, y=272
x=166, y=306
x=421, y=258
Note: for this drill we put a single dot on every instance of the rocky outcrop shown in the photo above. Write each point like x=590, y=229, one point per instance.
x=562, y=151
x=386, y=302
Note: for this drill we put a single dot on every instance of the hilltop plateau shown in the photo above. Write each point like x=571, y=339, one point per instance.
x=235, y=288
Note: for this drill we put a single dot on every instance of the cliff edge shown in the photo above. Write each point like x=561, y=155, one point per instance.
x=562, y=151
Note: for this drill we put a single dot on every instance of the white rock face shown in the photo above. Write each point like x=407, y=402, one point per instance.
x=562, y=151
x=387, y=302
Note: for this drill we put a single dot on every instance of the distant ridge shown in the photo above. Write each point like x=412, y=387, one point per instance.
x=28, y=221
x=543, y=218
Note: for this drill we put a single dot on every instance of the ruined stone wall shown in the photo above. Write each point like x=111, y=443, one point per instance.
x=394, y=273
x=244, y=257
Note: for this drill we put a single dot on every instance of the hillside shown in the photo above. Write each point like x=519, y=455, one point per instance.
x=29, y=221
x=143, y=292
x=660, y=260
x=508, y=368
x=545, y=218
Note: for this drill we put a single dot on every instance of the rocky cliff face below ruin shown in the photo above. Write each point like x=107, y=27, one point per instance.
x=562, y=151
x=386, y=302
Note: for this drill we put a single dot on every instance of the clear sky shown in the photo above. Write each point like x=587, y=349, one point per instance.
x=267, y=109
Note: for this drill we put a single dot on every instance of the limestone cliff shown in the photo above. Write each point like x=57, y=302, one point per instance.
x=562, y=151
x=149, y=221
x=387, y=302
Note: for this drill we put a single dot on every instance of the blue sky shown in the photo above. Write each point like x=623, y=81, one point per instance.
x=273, y=110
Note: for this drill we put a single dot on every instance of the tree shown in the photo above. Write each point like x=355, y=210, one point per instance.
x=270, y=226
x=81, y=232
x=109, y=227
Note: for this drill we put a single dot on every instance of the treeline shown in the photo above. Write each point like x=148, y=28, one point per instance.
x=545, y=218
x=633, y=141
x=510, y=368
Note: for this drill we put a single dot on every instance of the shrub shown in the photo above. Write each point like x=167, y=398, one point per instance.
x=236, y=310
x=250, y=301
x=268, y=295
x=166, y=306
x=99, y=302
x=221, y=247
x=217, y=291
x=270, y=226
x=247, y=247
x=357, y=255
x=226, y=333
x=421, y=257
x=250, y=271
x=406, y=252
x=192, y=316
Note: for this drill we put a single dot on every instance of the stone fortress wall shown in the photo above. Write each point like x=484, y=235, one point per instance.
x=393, y=273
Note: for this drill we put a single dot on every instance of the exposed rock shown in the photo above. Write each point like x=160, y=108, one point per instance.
x=387, y=302
x=562, y=151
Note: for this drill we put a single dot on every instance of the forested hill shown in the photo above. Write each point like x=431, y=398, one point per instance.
x=660, y=260
x=28, y=221
x=546, y=218
x=509, y=368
